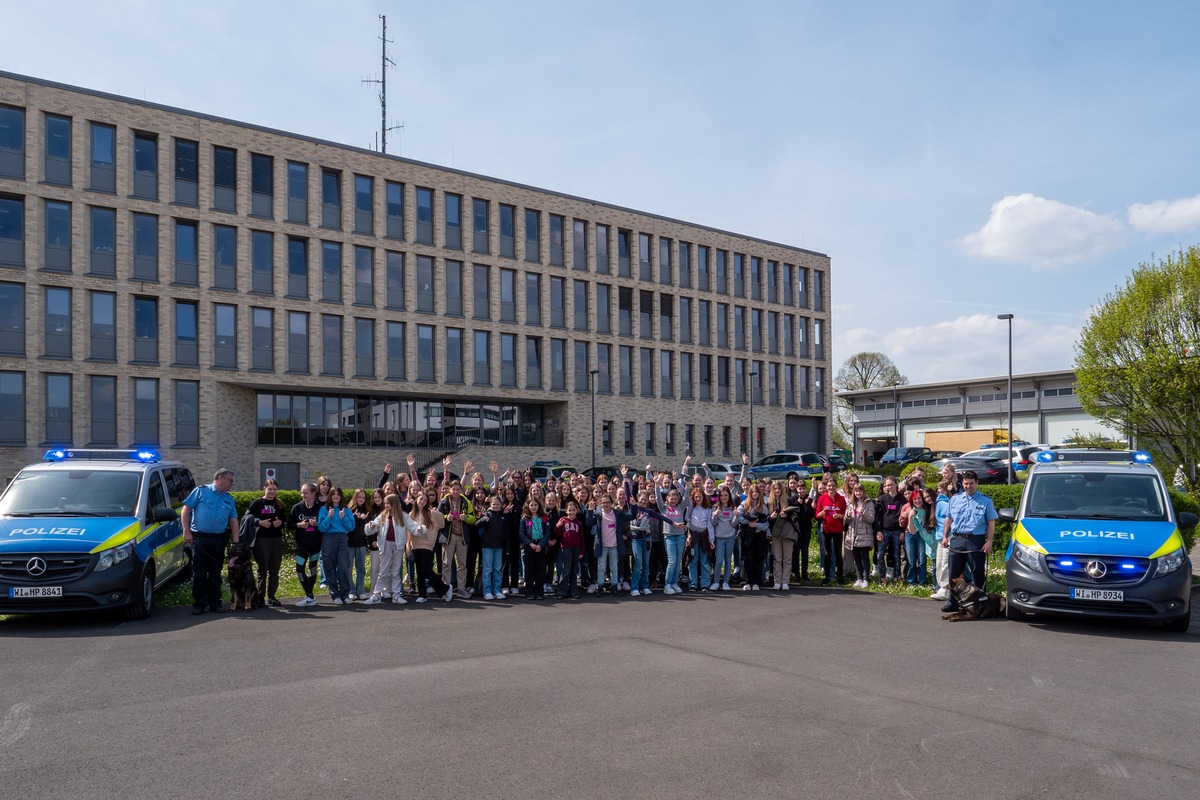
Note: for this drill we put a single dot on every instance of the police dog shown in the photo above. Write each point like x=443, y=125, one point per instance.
x=973, y=602
x=243, y=588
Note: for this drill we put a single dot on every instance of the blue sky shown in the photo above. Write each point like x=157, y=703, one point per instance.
x=955, y=160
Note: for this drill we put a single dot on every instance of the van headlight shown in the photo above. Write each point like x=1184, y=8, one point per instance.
x=1169, y=563
x=113, y=556
x=1027, y=556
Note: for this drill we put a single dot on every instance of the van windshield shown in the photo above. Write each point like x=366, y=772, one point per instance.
x=1096, y=495
x=72, y=493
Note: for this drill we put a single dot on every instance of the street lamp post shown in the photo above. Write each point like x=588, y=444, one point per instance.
x=1011, y=452
x=592, y=385
x=753, y=381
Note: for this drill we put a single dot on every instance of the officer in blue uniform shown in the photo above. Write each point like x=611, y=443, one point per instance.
x=208, y=513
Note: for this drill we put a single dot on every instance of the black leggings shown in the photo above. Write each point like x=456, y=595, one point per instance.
x=426, y=575
x=862, y=562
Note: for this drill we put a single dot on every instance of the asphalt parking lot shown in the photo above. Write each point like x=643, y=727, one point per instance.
x=820, y=692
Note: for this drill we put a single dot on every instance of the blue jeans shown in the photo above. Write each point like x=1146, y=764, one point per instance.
x=699, y=563
x=335, y=555
x=914, y=548
x=724, y=567
x=493, y=561
x=640, y=579
x=358, y=560
x=673, y=542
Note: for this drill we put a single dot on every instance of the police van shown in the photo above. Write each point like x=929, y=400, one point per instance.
x=91, y=530
x=1096, y=536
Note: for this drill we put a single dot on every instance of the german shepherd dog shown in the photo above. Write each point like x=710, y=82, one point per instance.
x=243, y=588
x=973, y=602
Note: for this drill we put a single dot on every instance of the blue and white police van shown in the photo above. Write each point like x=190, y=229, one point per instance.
x=1096, y=536
x=91, y=530
x=784, y=464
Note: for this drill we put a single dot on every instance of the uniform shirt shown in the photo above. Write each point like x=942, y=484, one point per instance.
x=970, y=513
x=211, y=510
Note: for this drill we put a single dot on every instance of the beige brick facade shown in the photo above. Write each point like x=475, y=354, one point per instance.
x=228, y=431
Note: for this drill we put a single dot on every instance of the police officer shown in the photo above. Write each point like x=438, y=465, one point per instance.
x=970, y=528
x=208, y=513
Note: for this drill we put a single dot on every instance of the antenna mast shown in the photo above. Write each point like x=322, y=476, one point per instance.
x=384, y=63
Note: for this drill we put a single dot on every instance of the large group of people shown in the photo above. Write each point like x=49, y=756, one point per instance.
x=434, y=535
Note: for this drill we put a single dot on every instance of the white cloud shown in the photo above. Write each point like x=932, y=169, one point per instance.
x=965, y=347
x=1162, y=216
x=1044, y=232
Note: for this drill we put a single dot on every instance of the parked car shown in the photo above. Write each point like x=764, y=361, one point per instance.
x=834, y=463
x=719, y=469
x=989, y=470
x=906, y=455
x=544, y=469
x=786, y=464
x=596, y=472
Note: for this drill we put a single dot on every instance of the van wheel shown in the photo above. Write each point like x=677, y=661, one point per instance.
x=143, y=604
x=1180, y=625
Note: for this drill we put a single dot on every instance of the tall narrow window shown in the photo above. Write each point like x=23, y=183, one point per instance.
x=625, y=311
x=364, y=276
x=12, y=408
x=297, y=259
x=603, y=308
x=558, y=363
x=187, y=172
x=364, y=348
x=187, y=413
x=483, y=358
x=558, y=301
x=58, y=323
x=646, y=371
x=508, y=359
x=666, y=318
x=645, y=267
x=533, y=362
x=145, y=165
x=453, y=204
x=331, y=344
x=297, y=342
x=425, y=284
x=395, y=280
x=262, y=339
x=665, y=271
x=481, y=292
x=145, y=411
x=426, y=357
x=602, y=253
x=508, y=295
x=583, y=367
x=297, y=192
x=395, y=210
x=479, y=224
x=103, y=327
x=739, y=275
x=12, y=142
x=704, y=321
x=533, y=236
x=224, y=179
x=104, y=241
x=721, y=283
x=579, y=244
x=331, y=199
x=533, y=298
x=802, y=287
x=262, y=262
x=755, y=278
x=454, y=355
x=12, y=319
x=623, y=254
x=58, y=149
x=145, y=247
x=685, y=320
x=604, y=368
x=187, y=265
x=454, y=288
x=702, y=276
x=57, y=234
x=145, y=330
x=224, y=336
x=666, y=373
x=187, y=330
x=508, y=228
x=625, y=358
x=364, y=204
x=424, y=215
x=685, y=265
x=225, y=257
x=103, y=400
x=581, y=305
x=557, y=255
x=818, y=290
x=262, y=185
x=772, y=281
x=104, y=157
x=396, y=360
x=706, y=378
x=331, y=272
x=646, y=314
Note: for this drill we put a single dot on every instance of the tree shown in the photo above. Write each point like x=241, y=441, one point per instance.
x=860, y=371
x=1137, y=366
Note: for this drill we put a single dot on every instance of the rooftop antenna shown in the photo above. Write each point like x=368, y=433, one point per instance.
x=382, y=81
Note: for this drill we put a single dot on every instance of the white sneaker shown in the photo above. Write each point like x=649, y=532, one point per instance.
x=646, y=591
x=755, y=587
x=489, y=596
x=634, y=593
x=940, y=594
x=306, y=602
x=422, y=600
x=504, y=592
x=785, y=587
x=668, y=590
x=724, y=587
x=449, y=595
x=776, y=587
x=337, y=601
x=373, y=600
x=399, y=601
x=745, y=587
x=351, y=597
x=712, y=587
x=386, y=595
x=591, y=589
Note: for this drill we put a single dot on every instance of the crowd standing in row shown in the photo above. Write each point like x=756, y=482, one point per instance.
x=635, y=534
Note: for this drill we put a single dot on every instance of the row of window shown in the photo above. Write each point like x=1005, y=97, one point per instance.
x=769, y=332
x=102, y=398
x=957, y=400
x=670, y=443
x=662, y=259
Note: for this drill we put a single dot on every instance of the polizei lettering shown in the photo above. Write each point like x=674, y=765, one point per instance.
x=47, y=532
x=1096, y=535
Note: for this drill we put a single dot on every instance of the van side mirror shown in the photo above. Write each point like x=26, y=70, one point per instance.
x=164, y=514
x=1007, y=514
x=1188, y=520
